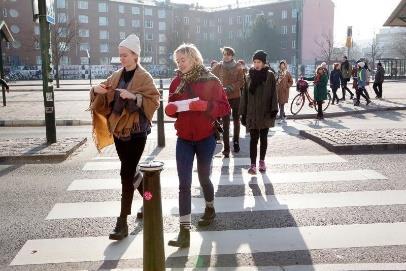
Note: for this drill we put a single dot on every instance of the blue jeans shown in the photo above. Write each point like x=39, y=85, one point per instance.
x=185, y=153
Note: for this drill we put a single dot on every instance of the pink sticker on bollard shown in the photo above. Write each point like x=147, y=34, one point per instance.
x=147, y=195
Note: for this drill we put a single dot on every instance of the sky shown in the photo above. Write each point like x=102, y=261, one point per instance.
x=365, y=16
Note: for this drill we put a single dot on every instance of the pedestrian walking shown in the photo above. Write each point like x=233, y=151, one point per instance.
x=122, y=110
x=378, y=81
x=361, y=83
x=4, y=84
x=259, y=107
x=320, y=81
x=231, y=76
x=335, y=80
x=346, y=71
x=284, y=81
x=195, y=130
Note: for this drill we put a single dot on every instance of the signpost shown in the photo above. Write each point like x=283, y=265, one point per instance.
x=46, y=15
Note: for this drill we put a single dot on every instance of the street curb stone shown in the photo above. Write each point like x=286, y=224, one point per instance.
x=359, y=141
x=36, y=149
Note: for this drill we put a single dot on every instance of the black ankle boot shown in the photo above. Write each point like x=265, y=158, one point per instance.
x=236, y=146
x=183, y=239
x=208, y=217
x=121, y=229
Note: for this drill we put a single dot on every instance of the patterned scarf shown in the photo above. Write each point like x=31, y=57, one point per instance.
x=197, y=73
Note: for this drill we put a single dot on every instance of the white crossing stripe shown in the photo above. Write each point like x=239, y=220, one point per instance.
x=239, y=204
x=217, y=162
x=215, y=243
x=315, y=267
x=170, y=179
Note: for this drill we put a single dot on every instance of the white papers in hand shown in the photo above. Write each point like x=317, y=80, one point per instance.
x=183, y=105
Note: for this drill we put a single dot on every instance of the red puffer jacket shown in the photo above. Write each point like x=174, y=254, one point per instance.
x=197, y=125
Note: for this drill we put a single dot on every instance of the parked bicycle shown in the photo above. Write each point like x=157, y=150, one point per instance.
x=299, y=100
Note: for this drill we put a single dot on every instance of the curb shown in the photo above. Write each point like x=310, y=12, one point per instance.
x=40, y=158
x=39, y=123
x=355, y=149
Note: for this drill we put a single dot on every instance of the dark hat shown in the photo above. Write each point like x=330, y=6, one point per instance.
x=260, y=55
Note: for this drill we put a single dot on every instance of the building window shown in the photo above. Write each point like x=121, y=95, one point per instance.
x=293, y=44
x=239, y=21
x=148, y=11
x=294, y=13
x=205, y=35
x=64, y=60
x=63, y=32
x=270, y=14
x=36, y=30
x=104, y=48
x=83, y=4
x=36, y=45
x=219, y=20
x=247, y=19
x=161, y=14
x=102, y=7
x=197, y=28
x=102, y=21
x=104, y=35
x=205, y=22
x=38, y=60
x=4, y=12
x=148, y=24
x=62, y=18
x=83, y=19
x=186, y=20
x=104, y=60
x=121, y=9
x=162, y=50
x=135, y=10
x=162, y=38
x=121, y=22
x=162, y=61
x=284, y=14
x=84, y=33
x=162, y=26
x=135, y=23
x=284, y=30
x=122, y=35
x=230, y=20
x=84, y=60
x=219, y=29
x=211, y=35
x=149, y=36
x=284, y=44
x=239, y=34
x=148, y=48
x=230, y=35
x=60, y=4
x=293, y=29
x=84, y=46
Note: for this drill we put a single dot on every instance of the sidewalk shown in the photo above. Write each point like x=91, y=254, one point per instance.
x=26, y=108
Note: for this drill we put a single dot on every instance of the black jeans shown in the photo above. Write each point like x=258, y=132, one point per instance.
x=235, y=105
x=129, y=153
x=345, y=88
x=320, y=108
x=335, y=97
x=378, y=89
x=256, y=134
x=361, y=92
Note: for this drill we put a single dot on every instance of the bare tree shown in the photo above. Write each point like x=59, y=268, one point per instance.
x=375, y=53
x=325, y=48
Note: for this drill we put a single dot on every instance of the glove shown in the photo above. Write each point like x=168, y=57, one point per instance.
x=171, y=109
x=244, y=120
x=228, y=89
x=199, y=105
x=138, y=100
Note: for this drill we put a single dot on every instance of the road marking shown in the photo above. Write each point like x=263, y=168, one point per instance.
x=239, y=204
x=217, y=162
x=87, y=249
x=170, y=179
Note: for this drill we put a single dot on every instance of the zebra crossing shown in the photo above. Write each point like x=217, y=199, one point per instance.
x=236, y=241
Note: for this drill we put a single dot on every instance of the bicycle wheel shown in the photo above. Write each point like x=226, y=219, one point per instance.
x=297, y=104
x=327, y=102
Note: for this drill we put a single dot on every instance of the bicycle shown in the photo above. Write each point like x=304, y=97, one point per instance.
x=300, y=99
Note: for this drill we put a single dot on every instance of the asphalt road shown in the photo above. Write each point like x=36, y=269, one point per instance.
x=31, y=192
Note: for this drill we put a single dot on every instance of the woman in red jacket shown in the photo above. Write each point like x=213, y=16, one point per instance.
x=196, y=100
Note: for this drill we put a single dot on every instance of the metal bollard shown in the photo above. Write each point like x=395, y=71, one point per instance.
x=161, y=128
x=154, y=253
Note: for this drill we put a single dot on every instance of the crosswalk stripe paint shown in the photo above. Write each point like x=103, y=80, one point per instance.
x=170, y=179
x=239, y=204
x=215, y=243
x=285, y=160
x=315, y=267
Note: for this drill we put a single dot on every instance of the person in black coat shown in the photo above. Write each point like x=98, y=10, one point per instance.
x=379, y=78
x=4, y=84
x=335, y=79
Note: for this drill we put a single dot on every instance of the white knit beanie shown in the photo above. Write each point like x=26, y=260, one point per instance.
x=132, y=42
x=361, y=64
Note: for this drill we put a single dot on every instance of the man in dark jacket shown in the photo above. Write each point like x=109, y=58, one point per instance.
x=346, y=71
x=4, y=84
x=379, y=78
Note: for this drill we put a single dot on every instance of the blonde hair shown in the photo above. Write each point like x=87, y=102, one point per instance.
x=191, y=51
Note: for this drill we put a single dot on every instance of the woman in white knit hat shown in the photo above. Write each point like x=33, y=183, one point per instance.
x=122, y=110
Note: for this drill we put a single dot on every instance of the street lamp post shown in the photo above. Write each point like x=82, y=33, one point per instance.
x=90, y=67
